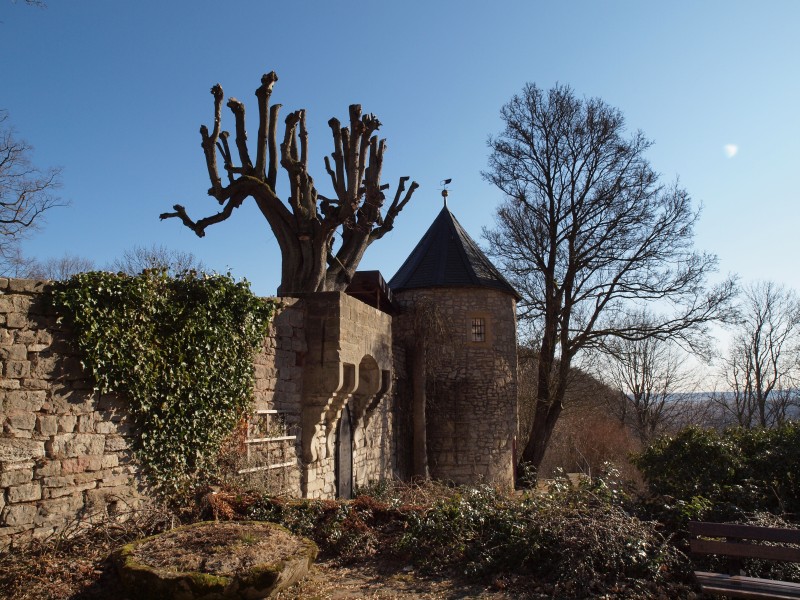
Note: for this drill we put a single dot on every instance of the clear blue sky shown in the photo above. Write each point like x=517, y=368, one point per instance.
x=114, y=92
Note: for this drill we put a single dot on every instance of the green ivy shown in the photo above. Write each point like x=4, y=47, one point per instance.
x=180, y=350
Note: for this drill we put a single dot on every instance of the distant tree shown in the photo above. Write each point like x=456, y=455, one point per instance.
x=26, y=193
x=56, y=269
x=654, y=381
x=306, y=222
x=762, y=370
x=157, y=256
x=587, y=231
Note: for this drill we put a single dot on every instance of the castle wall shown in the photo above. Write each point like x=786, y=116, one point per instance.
x=65, y=449
x=349, y=362
x=471, y=386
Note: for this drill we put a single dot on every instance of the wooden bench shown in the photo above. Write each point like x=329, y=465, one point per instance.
x=738, y=542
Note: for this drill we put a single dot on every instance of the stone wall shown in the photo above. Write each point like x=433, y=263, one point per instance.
x=471, y=389
x=63, y=449
x=348, y=362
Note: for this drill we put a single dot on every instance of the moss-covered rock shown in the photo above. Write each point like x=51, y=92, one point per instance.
x=214, y=561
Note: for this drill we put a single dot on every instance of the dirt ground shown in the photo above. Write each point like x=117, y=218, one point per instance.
x=328, y=581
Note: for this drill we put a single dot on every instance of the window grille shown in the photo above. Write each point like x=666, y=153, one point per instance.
x=478, y=329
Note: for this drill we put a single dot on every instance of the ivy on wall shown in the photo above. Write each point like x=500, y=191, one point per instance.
x=180, y=350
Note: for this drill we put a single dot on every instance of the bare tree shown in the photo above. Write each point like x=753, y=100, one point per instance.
x=586, y=231
x=761, y=369
x=26, y=193
x=305, y=224
x=655, y=382
x=157, y=256
x=56, y=269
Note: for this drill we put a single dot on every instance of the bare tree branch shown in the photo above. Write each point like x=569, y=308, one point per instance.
x=26, y=192
x=762, y=368
x=588, y=235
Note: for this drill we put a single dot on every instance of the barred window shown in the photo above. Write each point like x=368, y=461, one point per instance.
x=478, y=329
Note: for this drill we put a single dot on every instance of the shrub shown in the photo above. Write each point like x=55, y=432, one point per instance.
x=736, y=470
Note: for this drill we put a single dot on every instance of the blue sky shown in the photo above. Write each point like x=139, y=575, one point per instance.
x=114, y=92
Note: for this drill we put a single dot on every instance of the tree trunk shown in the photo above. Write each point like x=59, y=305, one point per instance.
x=549, y=403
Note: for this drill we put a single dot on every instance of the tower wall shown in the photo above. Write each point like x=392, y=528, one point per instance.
x=471, y=386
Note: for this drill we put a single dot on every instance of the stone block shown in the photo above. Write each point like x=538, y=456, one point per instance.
x=48, y=468
x=9, y=384
x=15, y=320
x=22, y=400
x=112, y=402
x=115, y=443
x=110, y=499
x=89, y=476
x=86, y=423
x=16, y=450
x=17, y=369
x=114, y=481
x=26, y=286
x=75, y=444
x=47, y=424
x=59, y=492
x=46, y=367
x=35, y=384
x=23, y=304
x=106, y=427
x=25, y=421
x=6, y=304
x=57, y=481
x=59, y=510
x=18, y=515
x=14, y=352
x=15, y=477
x=81, y=464
x=66, y=423
x=27, y=492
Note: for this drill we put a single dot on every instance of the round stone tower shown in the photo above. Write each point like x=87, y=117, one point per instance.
x=458, y=324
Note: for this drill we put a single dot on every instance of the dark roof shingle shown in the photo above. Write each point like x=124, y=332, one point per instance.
x=447, y=257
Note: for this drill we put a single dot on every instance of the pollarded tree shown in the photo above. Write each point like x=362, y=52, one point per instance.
x=304, y=225
x=586, y=233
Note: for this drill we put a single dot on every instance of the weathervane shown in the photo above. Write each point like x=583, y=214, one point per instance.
x=444, y=183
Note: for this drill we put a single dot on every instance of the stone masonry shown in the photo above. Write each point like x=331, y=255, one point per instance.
x=65, y=450
x=471, y=386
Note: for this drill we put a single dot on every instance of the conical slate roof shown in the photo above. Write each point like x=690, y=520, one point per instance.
x=447, y=257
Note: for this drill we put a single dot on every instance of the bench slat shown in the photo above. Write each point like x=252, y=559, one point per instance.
x=749, y=532
x=747, y=587
x=744, y=550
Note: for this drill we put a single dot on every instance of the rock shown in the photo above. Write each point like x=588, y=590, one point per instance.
x=210, y=560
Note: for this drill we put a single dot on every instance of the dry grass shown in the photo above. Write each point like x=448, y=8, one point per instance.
x=73, y=564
